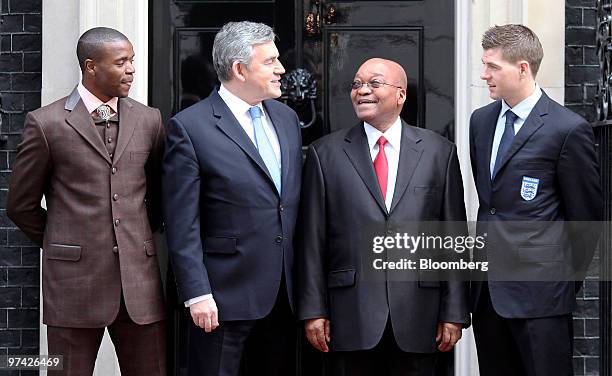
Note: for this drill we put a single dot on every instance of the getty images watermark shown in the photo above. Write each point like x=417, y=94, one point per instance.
x=545, y=251
x=415, y=243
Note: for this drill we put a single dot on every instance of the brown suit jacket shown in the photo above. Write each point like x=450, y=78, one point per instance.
x=96, y=232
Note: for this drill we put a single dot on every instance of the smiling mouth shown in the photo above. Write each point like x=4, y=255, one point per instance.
x=366, y=101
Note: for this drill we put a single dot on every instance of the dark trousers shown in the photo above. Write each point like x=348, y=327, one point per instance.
x=529, y=347
x=251, y=347
x=141, y=349
x=385, y=359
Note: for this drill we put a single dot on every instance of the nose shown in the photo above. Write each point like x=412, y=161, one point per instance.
x=279, y=67
x=484, y=75
x=130, y=68
x=364, y=89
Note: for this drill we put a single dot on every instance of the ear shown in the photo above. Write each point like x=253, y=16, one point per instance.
x=401, y=97
x=238, y=71
x=524, y=69
x=89, y=67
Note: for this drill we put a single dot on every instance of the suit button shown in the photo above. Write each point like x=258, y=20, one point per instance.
x=117, y=221
x=115, y=197
x=280, y=207
x=279, y=239
x=109, y=140
x=107, y=125
x=492, y=211
x=115, y=249
x=114, y=170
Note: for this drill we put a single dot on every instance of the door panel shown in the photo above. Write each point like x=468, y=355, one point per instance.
x=417, y=34
x=346, y=48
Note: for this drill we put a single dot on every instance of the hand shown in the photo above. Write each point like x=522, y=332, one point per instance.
x=448, y=335
x=205, y=315
x=317, y=332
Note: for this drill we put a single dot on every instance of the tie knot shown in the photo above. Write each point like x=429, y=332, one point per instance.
x=510, y=117
x=255, y=112
x=104, y=112
x=381, y=141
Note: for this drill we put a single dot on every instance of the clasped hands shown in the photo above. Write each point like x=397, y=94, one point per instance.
x=318, y=334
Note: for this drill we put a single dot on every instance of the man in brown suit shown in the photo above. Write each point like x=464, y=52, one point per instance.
x=95, y=157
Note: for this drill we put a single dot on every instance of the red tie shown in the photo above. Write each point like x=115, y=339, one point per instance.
x=381, y=166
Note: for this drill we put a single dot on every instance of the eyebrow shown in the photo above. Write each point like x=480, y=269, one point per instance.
x=489, y=63
x=374, y=76
x=125, y=58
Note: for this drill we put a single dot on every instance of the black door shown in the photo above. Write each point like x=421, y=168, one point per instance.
x=329, y=39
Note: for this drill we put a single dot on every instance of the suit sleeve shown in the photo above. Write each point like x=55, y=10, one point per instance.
x=181, y=207
x=153, y=173
x=473, y=150
x=310, y=265
x=454, y=291
x=29, y=181
x=580, y=185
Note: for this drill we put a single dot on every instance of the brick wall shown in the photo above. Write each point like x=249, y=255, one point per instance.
x=581, y=72
x=20, y=82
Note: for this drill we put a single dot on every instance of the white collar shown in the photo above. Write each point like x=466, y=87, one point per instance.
x=524, y=107
x=235, y=104
x=393, y=134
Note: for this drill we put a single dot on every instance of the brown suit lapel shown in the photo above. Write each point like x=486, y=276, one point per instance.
x=81, y=121
x=128, y=120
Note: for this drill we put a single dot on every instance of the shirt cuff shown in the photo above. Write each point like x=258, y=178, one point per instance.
x=197, y=299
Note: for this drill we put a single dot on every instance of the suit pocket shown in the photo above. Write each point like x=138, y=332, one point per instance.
x=429, y=279
x=139, y=156
x=63, y=252
x=149, y=247
x=341, y=278
x=531, y=165
x=540, y=253
x=220, y=245
x=431, y=190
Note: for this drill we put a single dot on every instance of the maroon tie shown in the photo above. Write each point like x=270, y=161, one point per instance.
x=381, y=166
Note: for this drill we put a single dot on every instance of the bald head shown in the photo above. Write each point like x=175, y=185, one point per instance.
x=380, y=105
x=392, y=70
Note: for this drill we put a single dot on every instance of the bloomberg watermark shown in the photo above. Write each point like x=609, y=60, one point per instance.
x=501, y=250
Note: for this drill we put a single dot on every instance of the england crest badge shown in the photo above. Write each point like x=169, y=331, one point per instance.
x=529, y=188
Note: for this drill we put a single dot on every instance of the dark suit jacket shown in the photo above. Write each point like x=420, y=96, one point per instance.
x=94, y=247
x=229, y=232
x=527, y=238
x=341, y=200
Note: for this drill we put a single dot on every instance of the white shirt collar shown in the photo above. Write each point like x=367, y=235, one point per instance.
x=524, y=107
x=393, y=134
x=235, y=104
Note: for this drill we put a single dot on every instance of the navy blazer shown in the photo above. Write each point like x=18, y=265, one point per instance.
x=549, y=176
x=229, y=232
x=342, y=205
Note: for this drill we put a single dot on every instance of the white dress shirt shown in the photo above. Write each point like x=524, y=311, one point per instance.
x=392, y=151
x=521, y=110
x=240, y=110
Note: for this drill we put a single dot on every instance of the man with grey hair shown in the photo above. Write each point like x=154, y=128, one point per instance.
x=534, y=163
x=231, y=183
